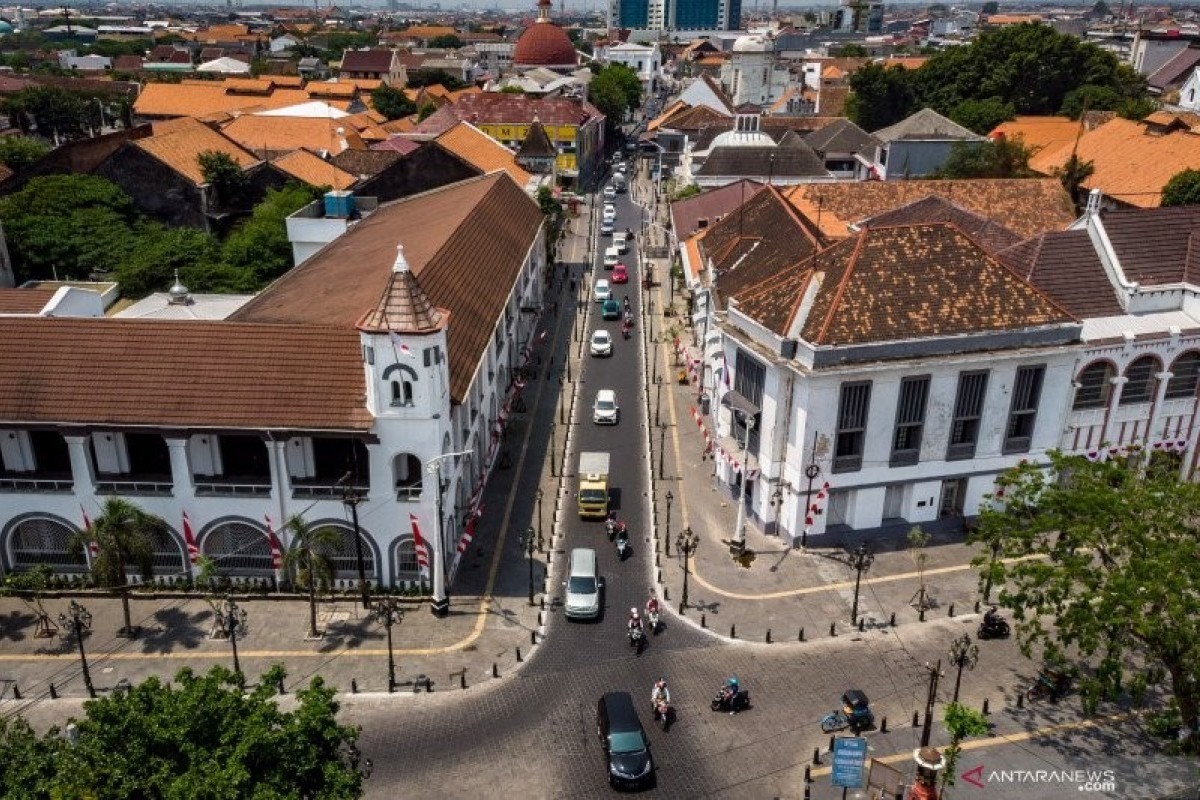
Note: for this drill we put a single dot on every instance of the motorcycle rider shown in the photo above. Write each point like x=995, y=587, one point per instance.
x=730, y=693
x=622, y=538
x=635, y=622
x=660, y=696
x=652, y=604
x=991, y=617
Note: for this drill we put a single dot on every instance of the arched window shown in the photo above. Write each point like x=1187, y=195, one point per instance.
x=344, y=556
x=239, y=548
x=1140, y=386
x=43, y=541
x=1095, y=386
x=1185, y=374
x=402, y=393
x=406, y=559
x=402, y=380
x=166, y=555
x=407, y=476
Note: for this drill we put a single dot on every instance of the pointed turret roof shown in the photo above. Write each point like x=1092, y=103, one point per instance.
x=403, y=306
x=537, y=143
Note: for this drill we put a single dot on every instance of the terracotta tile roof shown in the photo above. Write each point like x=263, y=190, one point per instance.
x=1128, y=164
x=257, y=133
x=404, y=307
x=402, y=125
x=374, y=133
x=180, y=149
x=775, y=302
x=367, y=61
x=1037, y=133
x=314, y=170
x=199, y=99
x=674, y=107
x=429, y=31
x=221, y=33
x=1027, y=207
x=249, y=85
x=918, y=281
x=692, y=118
x=905, y=62
x=399, y=144
x=1175, y=70
x=501, y=108
x=127, y=63
x=1065, y=266
x=365, y=163
x=987, y=233
x=180, y=374
x=758, y=239
x=364, y=119
x=1156, y=246
x=323, y=89
x=288, y=81
x=482, y=151
x=24, y=301
x=445, y=233
x=831, y=100
x=687, y=214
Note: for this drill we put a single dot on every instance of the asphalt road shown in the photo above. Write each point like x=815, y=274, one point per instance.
x=535, y=736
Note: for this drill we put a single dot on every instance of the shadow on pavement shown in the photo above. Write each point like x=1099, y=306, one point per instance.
x=174, y=627
x=16, y=626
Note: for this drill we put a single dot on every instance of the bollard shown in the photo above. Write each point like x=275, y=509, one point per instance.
x=703, y=620
x=800, y=636
x=1020, y=699
x=817, y=756
x=883, y=725
x=540, y=619
x=495, y=670
x=533, y=637
x=986, y=711
x=831, y=738
x=892, y=620
x=519, y=659
x=807, y=793
x=862, y=624
x=833, y=629
x=666, y=594
x=732, y=631
x=951, y=613
x=354, y=686
x=53, y=692
x=657, y=560
x=542, y=602
x=768, y=635
x=916, y=720
x=16, y=692
x=462, y=679
x=976, y=606
x=807, y=774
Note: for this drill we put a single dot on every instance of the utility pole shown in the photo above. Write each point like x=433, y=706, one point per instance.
x=79, y=620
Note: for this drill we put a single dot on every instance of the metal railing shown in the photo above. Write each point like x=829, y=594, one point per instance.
x=152, y=486
x=325, y=488
x=409, y=494
x=33, y=483
x=232, y=488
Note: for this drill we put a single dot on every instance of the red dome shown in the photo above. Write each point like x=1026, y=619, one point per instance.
x=544, y=44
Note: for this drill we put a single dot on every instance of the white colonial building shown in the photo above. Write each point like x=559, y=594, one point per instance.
x=383, y=363
x=751, y=74
x=644, y=59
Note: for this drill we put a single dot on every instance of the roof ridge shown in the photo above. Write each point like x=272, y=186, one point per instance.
x=842, y=284
x=802, y=290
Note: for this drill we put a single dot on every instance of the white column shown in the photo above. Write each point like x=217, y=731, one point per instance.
x=1156, y=410
x=1114, y=401
x=181, y=472
x=81, y=467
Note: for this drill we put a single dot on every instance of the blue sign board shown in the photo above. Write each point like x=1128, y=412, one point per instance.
x=849, y=757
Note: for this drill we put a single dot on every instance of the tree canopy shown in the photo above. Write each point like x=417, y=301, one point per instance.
x=615, y=90
x=199, y=736
x=259, y=246
x=447, y=41
x=995, y=158
x=392, y=102
x=1108, y=574
x=18, y=152
x=1183, y=189
x=428, y=76
x=882, y=96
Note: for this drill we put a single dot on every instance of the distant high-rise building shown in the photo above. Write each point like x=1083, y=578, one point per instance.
x=675, y=15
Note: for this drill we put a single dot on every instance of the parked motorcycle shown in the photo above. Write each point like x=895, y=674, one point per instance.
x=993, y=626
x=1050, y=684
x=854, y=714
x=739, y=702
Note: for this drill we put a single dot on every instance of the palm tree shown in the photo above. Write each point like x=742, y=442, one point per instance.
x=309, y=560
x=123, y=534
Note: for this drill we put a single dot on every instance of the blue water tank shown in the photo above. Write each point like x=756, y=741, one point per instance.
x=339, y=204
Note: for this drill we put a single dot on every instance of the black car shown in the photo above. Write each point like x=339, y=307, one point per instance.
x=626, y=749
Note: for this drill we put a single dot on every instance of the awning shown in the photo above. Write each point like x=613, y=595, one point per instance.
x=740, y=403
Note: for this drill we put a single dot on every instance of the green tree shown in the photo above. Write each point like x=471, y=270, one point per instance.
x=1183, y=189
x=157, y=252
x=881, y=96
x=427, y=76
x=198, y=736
x=982, y=116
x=1089, y=98
x=426, y=110
x=226, y=177
x=18, y=152
x=990, y=7
x=446, y=41
x=960, y=723
x=392, y=102
x=850, y=51
x=625, y=79
x=1107, y=564
x=1101, y=10
x=994, y=158
x=259, y=246
x=123, y=535
x=309, y=561
x=1073, y=174
x=608, y=98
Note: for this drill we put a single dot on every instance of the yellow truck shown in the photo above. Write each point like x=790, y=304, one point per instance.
x=593, y=485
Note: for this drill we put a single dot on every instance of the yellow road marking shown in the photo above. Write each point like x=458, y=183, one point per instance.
x=999, y=739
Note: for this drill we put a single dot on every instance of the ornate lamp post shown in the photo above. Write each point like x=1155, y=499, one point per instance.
x=441, y=597
x=861, y=560
x=79, y=621
x=351, y=497
x=686, y=544
x=812, y=472
x=553, y=446
x=233, y=624
x=529, y=542
x=963, y=653
x=670, y=497
x=389, y=612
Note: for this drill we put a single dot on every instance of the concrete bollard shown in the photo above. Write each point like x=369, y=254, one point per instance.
x=892, y=620
x=542, y=602
x=519, y=659
x=354, y=686
x=976, y=606
x=53, y=692
x=862, y=624
x=800, y=636
x=658, y=579
x=657, y=560
x=733, y=631
x=921, y=616
x=807, y=773
x=916, y=719
x=428, y=685
x=816, y=756
x=807, y=792
x=495, y=670
x=883, y=725
x=833, y=629
x=831, y=738
x=279, y=686
x=768, y=635
x=1020, y=699
x=986, y=710
x=666, y=593
x=703, y=620
x=533, y=637
x=951, y=612
x=540, y=623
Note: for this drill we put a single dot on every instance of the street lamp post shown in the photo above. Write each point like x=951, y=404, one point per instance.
x=860, y=560
x=553, y=446
x=233, y=624
x=670, y=497
x=963, y=653
x=529, y=542
x=686, y=544
x=935, y=673
x=738, y=545
x=351, y=497
x=657, y=395
x=812, y=472
x=541, y=541
x=441, y=597
x=389, y=612
x=79, y=620
x=662, y=450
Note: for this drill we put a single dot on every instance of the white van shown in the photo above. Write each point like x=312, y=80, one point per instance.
x=612, y=256
x=620, y=242
x=583, y=586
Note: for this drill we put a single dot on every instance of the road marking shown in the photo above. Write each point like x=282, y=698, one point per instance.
x=998, y=739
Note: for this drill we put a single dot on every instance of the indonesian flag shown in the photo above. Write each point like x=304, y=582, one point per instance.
x=192, y=550
x=93, y=545
x=420, y=546
x=276, y=549
x=469, y=530
x=399, y=344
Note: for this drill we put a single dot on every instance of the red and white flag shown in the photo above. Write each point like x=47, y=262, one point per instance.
x=190, y=539
x=276, y=549
x=399, y=344
x=93, y=545
x=419, y=545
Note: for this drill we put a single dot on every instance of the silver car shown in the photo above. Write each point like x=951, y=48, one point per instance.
x=602, y=344
x=605, y=410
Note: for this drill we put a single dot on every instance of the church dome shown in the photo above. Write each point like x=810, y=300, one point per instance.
x=752, y=44
x=544, y=44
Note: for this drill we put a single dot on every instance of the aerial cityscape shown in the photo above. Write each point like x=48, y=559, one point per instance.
x=694, y=399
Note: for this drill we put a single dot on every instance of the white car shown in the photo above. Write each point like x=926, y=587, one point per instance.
x=612, y=256
x=606, y=228
x=610, y=214
x=622, y=167
x=602, y=291
x=610, y=193
x=602, y=343
x=605, y=410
